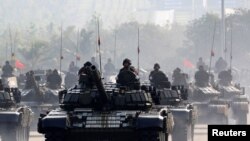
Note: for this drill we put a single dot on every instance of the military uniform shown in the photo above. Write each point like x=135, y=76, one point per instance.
x=201, y=77
x=220, y=65
x=179, y=78
x=7, y=70
x=127, y=75
x=55, y=80
x=158, y=78
x=225, y=77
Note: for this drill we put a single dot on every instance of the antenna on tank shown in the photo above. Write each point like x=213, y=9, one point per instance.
x=138, y=51
x=61, y=57
x=212, y=49
x=99, y=45
x=231, y=45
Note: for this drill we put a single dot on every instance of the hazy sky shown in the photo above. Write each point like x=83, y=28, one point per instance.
x=111, y=12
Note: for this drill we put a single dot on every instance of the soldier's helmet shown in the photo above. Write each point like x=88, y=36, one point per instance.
x=87, y=64
x=126, y=61
x=156, y=65
x=178, y=69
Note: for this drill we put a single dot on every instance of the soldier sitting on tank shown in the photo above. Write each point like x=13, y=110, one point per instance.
x=158, y=79
x=201, y=77
x=128, y=77
x=225, y=77
x=30, y=80
x=84, y=79
x=73, y=68
x=31, y=83
x=7, y=70
x=179, y=78
x=220, y=65
x=109, y=68
x=54, y=80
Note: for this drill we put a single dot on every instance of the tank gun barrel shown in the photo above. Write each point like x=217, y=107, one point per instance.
x=98, y=81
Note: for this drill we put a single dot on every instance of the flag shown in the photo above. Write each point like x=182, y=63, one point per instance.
x=138, y=49
x=19, y=64
x=78, y=58
x=188, y=63
x=61, y=57
x=212, y=53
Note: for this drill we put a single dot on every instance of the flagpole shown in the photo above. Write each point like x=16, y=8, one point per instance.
x=14, y=44
x=138, y=50
x=231, y=52
x=212, y=48
x=115, y=51
x=77, y=44
x=61, y=57
x=6, y=51
x=223, y=33
x=11, y=43
x=96, y=45
x=99, y=44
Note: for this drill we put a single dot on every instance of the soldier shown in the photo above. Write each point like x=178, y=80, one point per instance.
x=201, y=77
x=55, y=80
x=220, y=65
x=179, y=78
x=158, y=78
x=200, y=63
x=84, y=75
x=30, y=80
x=93, y=62
x=83, y=69
x=225, y=77
x=109, y=68
x=72, y=67
x=127, y=66
x=127, y=75
x=7, y=70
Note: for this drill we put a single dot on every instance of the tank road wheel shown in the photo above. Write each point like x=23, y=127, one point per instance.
x=54, y=136
x=16, y=134
x=152, y=136
x=183, y=131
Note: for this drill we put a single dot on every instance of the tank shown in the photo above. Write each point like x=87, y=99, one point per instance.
x=39, y=97
x=210, y=109
x=15, y=119
x=175, y=98
x=239, y=103
x=93, y=111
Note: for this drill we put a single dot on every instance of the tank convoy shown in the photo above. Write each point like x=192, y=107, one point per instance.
x=175, y=98
x=93, y=111
x=15, y=119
